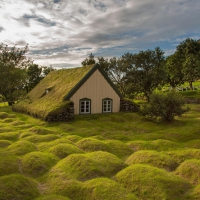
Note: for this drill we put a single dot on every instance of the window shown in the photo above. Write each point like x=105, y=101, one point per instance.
x=107, y=105
x=85, y=106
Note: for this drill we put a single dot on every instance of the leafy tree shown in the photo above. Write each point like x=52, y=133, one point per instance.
x=164, y=106
x=89, y=61
x=147, y=71
x=12, y=72
x=35, y=74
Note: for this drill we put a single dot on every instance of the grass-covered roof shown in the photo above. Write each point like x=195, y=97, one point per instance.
x=58, y=83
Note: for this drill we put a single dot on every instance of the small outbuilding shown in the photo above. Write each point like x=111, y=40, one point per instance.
x=63, y=93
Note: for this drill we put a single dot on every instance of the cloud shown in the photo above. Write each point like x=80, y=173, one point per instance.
x=64, y=32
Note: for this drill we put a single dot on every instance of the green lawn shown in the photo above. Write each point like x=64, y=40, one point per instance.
x=119, y=156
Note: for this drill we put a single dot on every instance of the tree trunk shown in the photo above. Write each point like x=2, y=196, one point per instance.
x=190, y=84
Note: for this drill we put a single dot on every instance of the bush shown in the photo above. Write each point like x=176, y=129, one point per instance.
x=164, y=106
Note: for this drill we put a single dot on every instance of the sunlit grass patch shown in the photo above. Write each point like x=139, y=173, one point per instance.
x=21, y=147
x=9, y=165
x=5, y=143
x=149, y=182
x=190, y=171
x=36, y=164
x=52, y=197
x=153, y=158
x=91, y=144
x=17, y=187
x=63, y=150
x=105, y=189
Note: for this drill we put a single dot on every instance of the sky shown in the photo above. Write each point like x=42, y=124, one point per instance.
x=62, y=33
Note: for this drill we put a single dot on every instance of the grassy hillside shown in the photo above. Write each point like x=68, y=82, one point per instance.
x=118, y=156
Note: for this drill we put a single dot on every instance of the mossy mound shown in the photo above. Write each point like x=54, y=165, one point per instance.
x=76, y=166
x=182, y=155
x=195, y=194
x=5, y=143
x=158, y=145
x=190, y=171
x=44, y=146
x=9, y=136
x=40, y=131
x=87, y=166
x=9, y=165
x=36, y=164
x=90, y=144
x=74, y=138
x=153, y=158
x=52, y=197
x=8, y=120
x=17, y=123
x=21, y=147
x=63, y=150
x=149, y=182
x=64, y=187
x=119, y=148
x=42, y=138
x=4, y=115
x=105, y=189
x=25, y=134
x=17, y=187
x=108, y=163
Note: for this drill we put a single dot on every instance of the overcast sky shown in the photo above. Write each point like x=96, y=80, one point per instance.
x=62, y=33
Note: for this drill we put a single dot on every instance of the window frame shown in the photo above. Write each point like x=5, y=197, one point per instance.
x=111, y=105
x=84, y=100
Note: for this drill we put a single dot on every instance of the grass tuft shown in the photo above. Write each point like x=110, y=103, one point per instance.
x=52, y=197
x=190, y=171
x=149, y=182
x=17, y=187
x=105, y=189
x=63, y=150
x=36, y=164
x=153, y=158
x=21, y=147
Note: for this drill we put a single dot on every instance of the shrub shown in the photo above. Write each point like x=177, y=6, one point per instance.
x=164, y=106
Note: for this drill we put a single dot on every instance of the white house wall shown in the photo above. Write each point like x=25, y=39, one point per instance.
x=96, y=88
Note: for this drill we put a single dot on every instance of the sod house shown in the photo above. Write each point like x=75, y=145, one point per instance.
x=62, y=93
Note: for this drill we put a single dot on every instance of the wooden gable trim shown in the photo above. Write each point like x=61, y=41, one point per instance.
x=85, y=78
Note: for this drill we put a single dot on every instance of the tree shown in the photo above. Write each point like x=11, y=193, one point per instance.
x=147, y=72
x=184, y=64
x=164, y=106
x=12, y=72
x=89, y=61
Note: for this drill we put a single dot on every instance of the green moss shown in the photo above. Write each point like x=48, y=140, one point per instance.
x=193, y=144
x=41, y=138
x=9, y=165
x=153, y=158
x=63, y=150
x=87, y=166
x=91, y=144
x=148, y=182
x=17, y=187
x=119, y=148
x=182, y=155
x=40, y=130
x=21, y=147
x=5, y=143
x=65, y=187
x=4, y=115
x=74, y=138
x=9, y=136
x=105, y=189
x=36, y=164
x=190, y=171
x=195, y=194
x=52, y=197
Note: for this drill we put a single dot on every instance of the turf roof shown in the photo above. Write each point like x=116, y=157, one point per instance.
x=59, y=83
